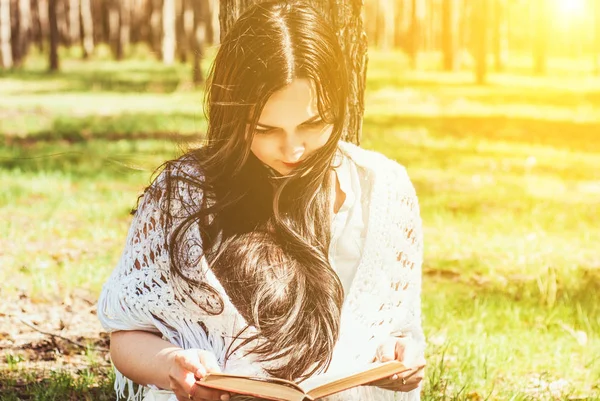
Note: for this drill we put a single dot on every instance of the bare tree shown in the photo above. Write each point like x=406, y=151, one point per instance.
x=54, y=35
x=168, y=41
x=87, y=25
x=480, y=36
x=5, y=34
x=345, y=16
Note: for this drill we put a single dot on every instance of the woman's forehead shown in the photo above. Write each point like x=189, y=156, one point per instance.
x=297, y=101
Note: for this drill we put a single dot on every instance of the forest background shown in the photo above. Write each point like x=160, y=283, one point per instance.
x=492, y=105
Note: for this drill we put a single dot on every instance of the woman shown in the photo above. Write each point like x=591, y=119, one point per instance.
x=185, y=299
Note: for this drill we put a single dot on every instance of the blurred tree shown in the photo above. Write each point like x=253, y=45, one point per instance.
x=184, y=15
x=74, y=27
x=500, y=34
x=124, y=30
x=87, y=28
x=168, y=40
x=540, y=24
x=480, y=23
x=200, y=8
x=415, y=31
x=5, y=35
x=346, y=18
x=22, y=31
x=449, y=33
x=53, y=23
x=156, y=27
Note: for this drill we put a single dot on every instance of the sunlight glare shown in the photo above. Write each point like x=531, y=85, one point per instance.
x=570, y=8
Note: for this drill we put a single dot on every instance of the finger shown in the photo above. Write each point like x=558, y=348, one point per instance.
x=191, y=365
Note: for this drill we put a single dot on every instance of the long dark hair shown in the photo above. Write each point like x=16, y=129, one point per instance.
x=270, y=45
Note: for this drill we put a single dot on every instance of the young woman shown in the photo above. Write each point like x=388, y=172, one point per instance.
x=276, y=249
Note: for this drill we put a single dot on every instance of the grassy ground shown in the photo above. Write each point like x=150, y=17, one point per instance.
x=507, y=176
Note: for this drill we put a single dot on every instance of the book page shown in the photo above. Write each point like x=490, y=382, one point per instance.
x=329, y=378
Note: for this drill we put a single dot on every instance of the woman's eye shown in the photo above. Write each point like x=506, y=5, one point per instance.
x=264, y=131
x=315, y=124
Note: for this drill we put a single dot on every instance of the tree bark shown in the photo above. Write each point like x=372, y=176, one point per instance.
x=345, y=16
x=53, y=22
x=87, y=25
x=480, y=35
x=5, y=35
x=168, y=41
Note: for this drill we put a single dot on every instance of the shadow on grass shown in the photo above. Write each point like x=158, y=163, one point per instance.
x=581, y=137
x=102, y=77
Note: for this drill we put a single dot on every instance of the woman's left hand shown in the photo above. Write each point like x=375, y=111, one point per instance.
x=403, y=349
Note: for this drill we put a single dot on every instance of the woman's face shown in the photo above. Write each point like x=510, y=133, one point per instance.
x=289, y=128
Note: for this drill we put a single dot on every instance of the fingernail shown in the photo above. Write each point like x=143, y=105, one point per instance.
x=225, y=397
x=395, y=377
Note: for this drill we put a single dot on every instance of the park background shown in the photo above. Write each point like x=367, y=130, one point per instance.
x=492, y=105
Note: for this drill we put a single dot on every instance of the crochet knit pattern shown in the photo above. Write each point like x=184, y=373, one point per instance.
x=384, y=297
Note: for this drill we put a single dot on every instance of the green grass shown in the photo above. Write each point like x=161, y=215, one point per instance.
x=507, y=176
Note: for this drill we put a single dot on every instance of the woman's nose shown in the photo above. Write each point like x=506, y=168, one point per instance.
x=292, y=149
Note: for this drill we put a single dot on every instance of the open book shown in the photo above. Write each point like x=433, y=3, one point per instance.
x=310, y=389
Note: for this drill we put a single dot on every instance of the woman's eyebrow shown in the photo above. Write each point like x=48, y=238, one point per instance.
x=310, y=120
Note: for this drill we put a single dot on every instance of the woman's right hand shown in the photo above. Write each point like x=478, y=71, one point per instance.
x=189, y=365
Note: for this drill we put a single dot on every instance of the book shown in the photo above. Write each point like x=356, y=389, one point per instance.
x=310, y=389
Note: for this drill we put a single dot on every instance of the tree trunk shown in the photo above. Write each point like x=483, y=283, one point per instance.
x=345, y=16
x=53, y=22
x=184, y=28
x=449, y=33
x=480, y=35
x=74, y=27
x=540, y=11
x=23, y=32
x=43, y=24
x=5, y=35
x=500, y=34
x=124, y=29
x=156, y=27
x=168, y=41
x=415, y=32
x=87, y=24
x=200, y=8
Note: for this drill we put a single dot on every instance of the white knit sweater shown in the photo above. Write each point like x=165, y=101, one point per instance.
x=384, y=296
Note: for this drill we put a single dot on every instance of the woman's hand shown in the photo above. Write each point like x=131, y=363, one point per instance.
x=403, y=349
x=187, y=366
